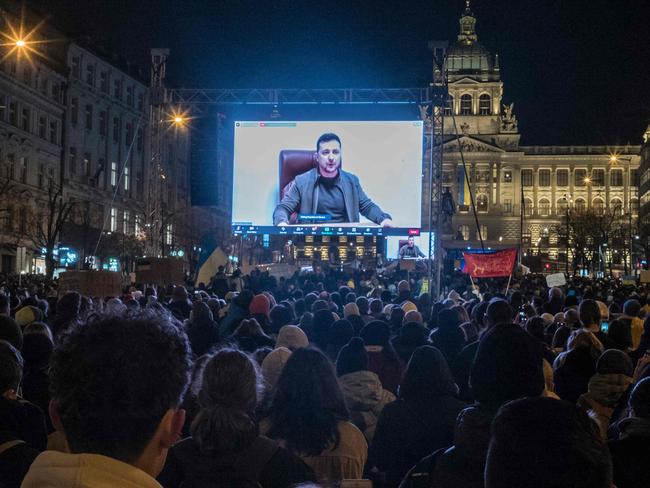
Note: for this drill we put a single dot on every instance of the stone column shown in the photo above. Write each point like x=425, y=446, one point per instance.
x=535, y=186
x=553, y=188
x=626, y=187
x=608, y=173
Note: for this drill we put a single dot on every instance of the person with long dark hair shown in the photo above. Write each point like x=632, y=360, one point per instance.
x=421, y=420
x=309, y=417
x=225, y=447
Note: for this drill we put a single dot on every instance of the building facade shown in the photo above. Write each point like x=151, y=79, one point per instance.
x=522, y=194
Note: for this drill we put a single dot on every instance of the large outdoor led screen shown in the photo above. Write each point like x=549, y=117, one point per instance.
x=366, y=178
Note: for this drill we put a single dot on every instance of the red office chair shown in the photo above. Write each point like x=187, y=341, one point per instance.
x=294, y=162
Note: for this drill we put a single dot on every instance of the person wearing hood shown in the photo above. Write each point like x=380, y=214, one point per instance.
x=448, y=337
x=338, y=336
x=180, y=305
x=403, y=292
x=291, y=337
x=421, y=420
x=260, y=310
x=237, y=311
x=410, y=336
x=574, y=368
x=605, y=388
x=382, y=358
x=202, y=330
x=364, y=395
x=508, y=366
x=630, y=451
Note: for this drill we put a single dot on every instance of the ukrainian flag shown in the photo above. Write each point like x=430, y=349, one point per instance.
x=463, y=188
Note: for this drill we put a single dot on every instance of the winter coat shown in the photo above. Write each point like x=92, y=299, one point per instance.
x=263, y=462
x=53, y=469
x=572, y=377
x=630, y=453
x=408, y=430
x=365, y=398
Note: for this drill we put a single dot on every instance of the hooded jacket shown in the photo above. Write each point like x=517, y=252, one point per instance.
x=53, y=469
x=365, y=398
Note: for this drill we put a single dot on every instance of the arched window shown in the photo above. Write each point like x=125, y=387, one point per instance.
x=580, y=205
x=634, y=206
x=482, y=203
x=449, y=105
x=484, y=104
x=562, y=205
x=544, y=207
x=464, y=231
x=466, y=105
x=528, y=207
x=484, y=233
x=617, y=206
x=598, y=205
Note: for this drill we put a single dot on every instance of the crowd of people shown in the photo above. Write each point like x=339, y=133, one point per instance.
x=320, y=378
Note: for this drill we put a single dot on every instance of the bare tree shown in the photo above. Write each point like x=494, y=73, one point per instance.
x=53, y=213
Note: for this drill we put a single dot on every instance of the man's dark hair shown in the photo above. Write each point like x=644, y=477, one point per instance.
x=589, y=312
x=498, y=312
x=640, y=399
x=547, y=443
x=114, y=378
x=11, y=367
x=328, y=136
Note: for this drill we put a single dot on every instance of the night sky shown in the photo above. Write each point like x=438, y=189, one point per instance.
x=577, y=70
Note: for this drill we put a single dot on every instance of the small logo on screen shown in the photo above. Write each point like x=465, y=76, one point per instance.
x=414, y=232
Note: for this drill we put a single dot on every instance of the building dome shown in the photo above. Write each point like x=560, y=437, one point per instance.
x=467, y=55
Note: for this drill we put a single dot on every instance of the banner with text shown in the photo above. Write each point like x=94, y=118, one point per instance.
x=492, y=265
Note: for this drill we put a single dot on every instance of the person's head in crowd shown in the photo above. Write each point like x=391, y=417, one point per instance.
x=215, y=306
x=508, y=365
x=249, y=328
x=589, y=313
x=352, y=357
x=584, y=339
x=376, y=307
x=571, y=318
x=37, y=351
x=427, y=376
x=410, y=336
x=408, y=306
x=280, y=315
x=357, y=323
x=614, y=309
x=560, y=338
x=535, y=326
x=228, y=396
x=308, y=404
x=260, y=306
x=319, y=305
x=558, y=318
x=351, y=309
x=137, y=365
x=10, y=331
x=631, y=308
x=376, y=335
x=616, y=362
x=413, y=316
x=396, y=317
x=350, y=297
x=291, y=337
x=620, y=334
x=336, y=299
x=546, y=443
x=11, y=370
x=28, y=314
x=386, y=296
x=67, y=312
x=403, y=288
x=362, y=303
x=497, y=312
x=272, y=367
x=463, y=316
x=201, y=313
x=38, y=328
x=179, y=294
x=555, y=293
x=299, y=307
x=338, y=335
x=477, y=315
x=547, y=317
x=5, y=304
x=323, y=320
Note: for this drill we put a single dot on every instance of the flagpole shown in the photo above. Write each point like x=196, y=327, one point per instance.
x=508, y=286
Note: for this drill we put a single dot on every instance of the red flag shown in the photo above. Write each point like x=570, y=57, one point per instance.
x=491, y=265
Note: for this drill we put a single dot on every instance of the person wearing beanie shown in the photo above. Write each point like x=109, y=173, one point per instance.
x=338, y=335
x=448, y=337
x=408, y=306
x=382, y=357
x=27, y=315
x=630, y=449
x=362, y=390
x=260, y=310
x=237, y=311
x=612, y=379
x=37, y=350
x=508, y=365
x=280, y=316
x=291, y=337
x=202, y=330
x=413, y=316
x=10, y=331
x=410, y=336
x=323, y=320
x=546, y=443
x=180, y=305
x=351, y=309
x=272, y=367
x=421, y=420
